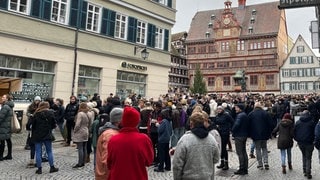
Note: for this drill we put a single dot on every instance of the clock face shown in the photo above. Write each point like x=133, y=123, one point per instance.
x=226, y=20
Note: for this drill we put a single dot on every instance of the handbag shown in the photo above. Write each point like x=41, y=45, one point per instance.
x=15, y=125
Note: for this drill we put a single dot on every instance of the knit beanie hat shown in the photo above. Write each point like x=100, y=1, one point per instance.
x=37, y=98
x=130, y=117
x=287, y=116
x=116, y=115
x=240, y=106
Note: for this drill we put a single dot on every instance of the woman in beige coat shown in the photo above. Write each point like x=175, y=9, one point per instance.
x=81, y=133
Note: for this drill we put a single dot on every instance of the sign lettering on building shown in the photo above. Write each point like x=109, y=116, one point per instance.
x=284, y=4
x=133, y=66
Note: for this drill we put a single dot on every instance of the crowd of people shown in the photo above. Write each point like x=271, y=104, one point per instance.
x=196, y=131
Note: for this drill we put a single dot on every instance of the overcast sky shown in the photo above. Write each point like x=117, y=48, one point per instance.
x=298, y=19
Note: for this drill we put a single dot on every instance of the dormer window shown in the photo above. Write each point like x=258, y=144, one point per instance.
x=252, y=20
x=210, y=25
x=207, y=34
x=213, y=17
x=250, y=30
x=254, y=12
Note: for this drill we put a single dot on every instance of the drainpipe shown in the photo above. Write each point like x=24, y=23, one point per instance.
x=75, y=60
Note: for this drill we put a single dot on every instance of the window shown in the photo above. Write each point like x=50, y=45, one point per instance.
x=59, y=11
x=317, y=72
x=269, y=62
x=310, y=85
x=253, y=63
x=286, y=73
x=121, y=26
x=294, y=73
x=237, y=63
x=21, y=6
x=211, y=81
x=240, y=45
x=88, y=80
x=141, y=32
x=212, y=49
x=164, y=2
x=132, y=83
x=202, y=49
x=286, y=86
x=293, y=60
x=226, y=81
x=93, y=18
x=270, y=79
x=225, y=46
x=37, y=76
x=317, y=85
x=159, y=38
x=191, y=50
x=223, y=64
x=300, y=49
x=268, y=44
x=302, y=86
x=250, y=30
x=253, y=80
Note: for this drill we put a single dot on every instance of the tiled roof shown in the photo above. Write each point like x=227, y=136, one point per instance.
x=177, y=36
x=267, y=20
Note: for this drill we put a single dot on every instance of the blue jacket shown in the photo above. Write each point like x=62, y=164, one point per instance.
x=241, y=125
x=164, y=131
x=304, y=129
x=224, y=123
x=260, y=124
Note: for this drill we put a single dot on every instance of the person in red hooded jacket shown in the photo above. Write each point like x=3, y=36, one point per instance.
x=129, y=152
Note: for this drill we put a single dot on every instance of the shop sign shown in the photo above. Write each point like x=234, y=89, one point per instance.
x=133, y=66
x=285, y=4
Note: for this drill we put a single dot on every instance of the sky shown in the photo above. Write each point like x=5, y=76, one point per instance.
x=298, y=19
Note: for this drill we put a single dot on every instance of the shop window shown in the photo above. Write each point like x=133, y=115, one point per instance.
x=13, y=62
x=35, y=80
x=88, y=81
x=134, y=84
x=26, y=64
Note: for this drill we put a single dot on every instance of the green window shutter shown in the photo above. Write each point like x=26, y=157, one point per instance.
x=299, y=59
x=170, y=3
x=83, y=15
x=46, y=10
x=74, y=13
x=3, y=4
x=132, y=30
x=108, y=22
x=104, y=21
x=35, y=8
x=166, y=40
x=151, y=35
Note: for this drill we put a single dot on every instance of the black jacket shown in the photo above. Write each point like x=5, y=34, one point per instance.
x=71, y=111
x=42, y=124
x=304, y=129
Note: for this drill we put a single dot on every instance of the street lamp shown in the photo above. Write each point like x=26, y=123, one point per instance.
x=143, y=50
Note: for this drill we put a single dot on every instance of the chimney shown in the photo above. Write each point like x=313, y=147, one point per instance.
x=241, y=4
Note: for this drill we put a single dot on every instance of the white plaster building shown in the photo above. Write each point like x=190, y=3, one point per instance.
x=58, y=48
x=300, y=73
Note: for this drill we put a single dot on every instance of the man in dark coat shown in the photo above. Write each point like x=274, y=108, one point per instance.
x=224, y=123
x=240, y=132
x=70, y=114
x=260, y=132
x=304, y=135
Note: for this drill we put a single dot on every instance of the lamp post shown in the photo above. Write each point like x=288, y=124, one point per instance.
x=143, y=50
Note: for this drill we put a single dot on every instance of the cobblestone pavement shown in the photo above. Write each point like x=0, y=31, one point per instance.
x=66, y=157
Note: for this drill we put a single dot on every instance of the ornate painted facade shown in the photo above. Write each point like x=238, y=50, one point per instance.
x=251, y=38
